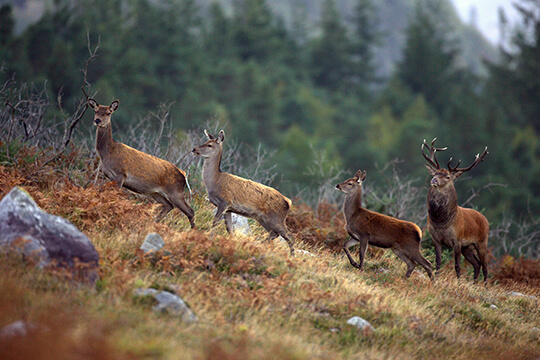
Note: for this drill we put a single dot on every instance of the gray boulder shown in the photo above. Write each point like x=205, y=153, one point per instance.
x=47, y=238
x=168, y=303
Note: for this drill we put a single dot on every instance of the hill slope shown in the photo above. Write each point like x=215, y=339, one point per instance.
x=253, y=300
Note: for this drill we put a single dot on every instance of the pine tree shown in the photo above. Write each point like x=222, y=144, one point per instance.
x=7, y=24
x=330, y=60
x=365, y=38
x=428, y=59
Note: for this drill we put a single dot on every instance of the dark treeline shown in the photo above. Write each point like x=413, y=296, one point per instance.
x=310, y=93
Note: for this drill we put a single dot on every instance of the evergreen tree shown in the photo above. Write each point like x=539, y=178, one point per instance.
x=254, y=30
x=365, y=37
x=330, y=61
x=428, y=59
x=7, y=24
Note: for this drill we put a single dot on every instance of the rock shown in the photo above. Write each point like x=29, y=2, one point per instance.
x=305, y=252
x=241, y=224
x=16, y=329
x=360, y=323
x=513, y=293
x=169, y=303
x=152, y=242
x=47, y=238
x=492, y=306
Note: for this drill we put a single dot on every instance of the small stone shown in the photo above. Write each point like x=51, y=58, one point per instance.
x=152, y=242
x=360, y=323
x=18, y=328
x=492, y=306
x=240, y=224
x=168, y=303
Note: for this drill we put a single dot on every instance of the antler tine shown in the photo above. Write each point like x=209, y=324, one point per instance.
x=478, y=159
x=432, y=159
x=450, y=167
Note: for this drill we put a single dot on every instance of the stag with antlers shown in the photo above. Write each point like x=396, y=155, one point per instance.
x=462, y=229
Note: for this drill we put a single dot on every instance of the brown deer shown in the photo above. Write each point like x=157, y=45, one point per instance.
x=137, y=171
x=233, y=194
x=365, y=226
x=464, y=230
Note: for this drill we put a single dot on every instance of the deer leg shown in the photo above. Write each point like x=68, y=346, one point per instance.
x=180, y=202
x=219, y=214
x=481, y=249
x=471, y=257
x=438, y=251
x=410, y=264
x=457, y=259
x=166, y=206
x=276, y=228
x=422, y=261
x=351, y=242
x=228, y=221
x=286, y=235
x=119, y=180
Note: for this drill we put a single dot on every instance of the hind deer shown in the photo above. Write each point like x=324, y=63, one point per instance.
x=233, y=194
x=464, y=230
x=137, y=171
x=368, y=227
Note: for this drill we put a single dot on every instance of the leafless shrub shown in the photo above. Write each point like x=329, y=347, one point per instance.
x=22, y=116
x=519, y=238
x=325, y=175
x=397, y=196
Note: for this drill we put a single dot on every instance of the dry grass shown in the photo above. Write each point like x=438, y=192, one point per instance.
x=253, y=300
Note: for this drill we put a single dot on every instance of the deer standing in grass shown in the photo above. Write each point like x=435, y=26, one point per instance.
x=137, y=171
x=464, y=230
x=233, y=194
x=365, y=226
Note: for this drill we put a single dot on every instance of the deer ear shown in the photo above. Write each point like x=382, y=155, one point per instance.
x=360, y=176
x=431, y=170
x=221, y=137
x=93, y=104
x=210, y=137
x=114, y=105
x=457, y=174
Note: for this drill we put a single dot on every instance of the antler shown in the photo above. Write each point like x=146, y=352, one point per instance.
x=479, y=158
x=432, y=160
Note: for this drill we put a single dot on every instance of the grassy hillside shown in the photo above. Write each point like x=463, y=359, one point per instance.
x=253, y=300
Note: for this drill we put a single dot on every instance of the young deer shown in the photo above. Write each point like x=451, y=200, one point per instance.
x=137, y=171
x=365, y=226
x=233, y=194
x=464, y=230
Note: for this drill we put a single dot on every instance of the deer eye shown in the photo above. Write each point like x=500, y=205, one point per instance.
x=209, y=145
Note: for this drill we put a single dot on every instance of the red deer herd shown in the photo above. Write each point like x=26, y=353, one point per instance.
x=464, y=230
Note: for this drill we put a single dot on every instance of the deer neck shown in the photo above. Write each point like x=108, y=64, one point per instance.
x=104, y=140
x=212, y=169
x=442, y=204
x=352, y=203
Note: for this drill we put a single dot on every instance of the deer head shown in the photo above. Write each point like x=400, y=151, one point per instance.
x=211, y=147
x=443, y=177
x=102, y=114
x=353, y=183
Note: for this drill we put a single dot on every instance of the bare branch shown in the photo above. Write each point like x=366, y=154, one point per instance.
x=475, y=193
